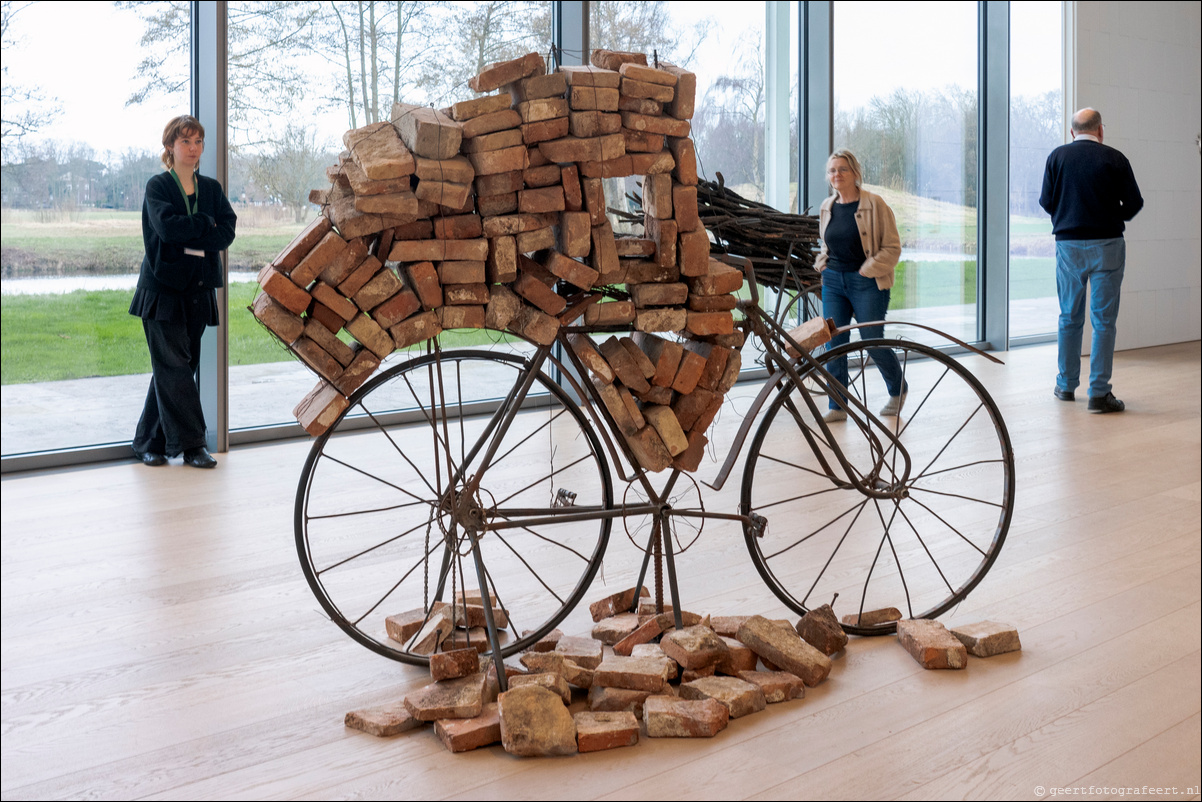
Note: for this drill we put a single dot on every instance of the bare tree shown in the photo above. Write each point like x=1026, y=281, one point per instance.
x=378, y=50
x=729, y=125
x=645, y=28
x=294, y=165
x=25, y=109
x=265, y=75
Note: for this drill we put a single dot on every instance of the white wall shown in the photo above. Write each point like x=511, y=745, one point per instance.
x=1139, y=65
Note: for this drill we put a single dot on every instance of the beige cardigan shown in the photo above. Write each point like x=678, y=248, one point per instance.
x=878, y=235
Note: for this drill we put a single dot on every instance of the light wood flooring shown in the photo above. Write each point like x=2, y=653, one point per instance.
x=159, y=640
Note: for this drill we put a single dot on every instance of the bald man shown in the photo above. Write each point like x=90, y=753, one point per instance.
x=1090, y=192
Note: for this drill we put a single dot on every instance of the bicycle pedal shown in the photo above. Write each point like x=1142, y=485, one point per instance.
x=565, y=498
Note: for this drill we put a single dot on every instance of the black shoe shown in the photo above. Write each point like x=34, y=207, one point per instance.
x=199, y=457
x=152, y=459
x=1107, y=403
x=1063, y=395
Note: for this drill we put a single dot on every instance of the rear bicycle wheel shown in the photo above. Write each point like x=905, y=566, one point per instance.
x=385, y=502
x=924, y=547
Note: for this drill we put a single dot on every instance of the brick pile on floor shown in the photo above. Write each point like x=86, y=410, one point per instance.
x=637, y=675
x=491, y=214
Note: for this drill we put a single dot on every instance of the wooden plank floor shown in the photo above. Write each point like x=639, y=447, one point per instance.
x=159, y=640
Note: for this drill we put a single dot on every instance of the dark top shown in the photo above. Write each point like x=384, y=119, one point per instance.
x=174, y=285
x=1089, y=190
x=844, y=248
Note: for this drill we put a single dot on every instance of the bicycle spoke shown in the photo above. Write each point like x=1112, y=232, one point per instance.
x=901, y=572
x=542, y=479
x=547, y=539
x=378, y=479
x=391, y=590
x=370, y=549
x=843, y=538
x=546, y=425
x=368, y=511
x=949, y=526
x=831, y=522
x=799, y=498
x=528, y=568
x=796, y=466
x=362, y=573
x=927, y=475
x=949, y=442
x=956, y=495
x=930, y=556
x=951, y=430
x=397, y=448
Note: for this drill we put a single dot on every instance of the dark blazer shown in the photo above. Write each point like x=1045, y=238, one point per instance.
x=167, y=230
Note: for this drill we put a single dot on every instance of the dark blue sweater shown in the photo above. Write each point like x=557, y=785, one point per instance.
x=1089, y=190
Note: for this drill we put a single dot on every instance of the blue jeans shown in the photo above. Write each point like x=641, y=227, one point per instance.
x=848, y=295
x=1098, y=263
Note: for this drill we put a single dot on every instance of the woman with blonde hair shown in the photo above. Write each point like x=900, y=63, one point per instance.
x=186, y=222
x=860, y=249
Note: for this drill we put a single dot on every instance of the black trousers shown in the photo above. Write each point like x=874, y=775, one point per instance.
x=172, y=419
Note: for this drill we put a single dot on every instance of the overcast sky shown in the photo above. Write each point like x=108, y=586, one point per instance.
x=89, y=64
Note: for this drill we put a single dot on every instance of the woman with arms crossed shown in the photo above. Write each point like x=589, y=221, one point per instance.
x=186, y=223
x=860, y=249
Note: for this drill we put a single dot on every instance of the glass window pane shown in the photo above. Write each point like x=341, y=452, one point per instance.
x=300, y=76
x=79, y=145
x=905, y=80
x=1036, y=127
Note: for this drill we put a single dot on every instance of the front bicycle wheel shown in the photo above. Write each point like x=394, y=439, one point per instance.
x=941, y=521
x=386, y=502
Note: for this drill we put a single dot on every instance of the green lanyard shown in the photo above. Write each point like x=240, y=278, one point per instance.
x=193, y=205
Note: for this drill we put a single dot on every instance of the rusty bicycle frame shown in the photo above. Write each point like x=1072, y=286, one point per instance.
x=782, y=369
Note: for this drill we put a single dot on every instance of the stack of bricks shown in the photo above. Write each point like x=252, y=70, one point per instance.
x=492, y=214
x=446, y=627
x=635, y=676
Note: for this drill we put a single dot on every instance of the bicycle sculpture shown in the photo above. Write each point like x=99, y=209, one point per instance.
x=449, y=524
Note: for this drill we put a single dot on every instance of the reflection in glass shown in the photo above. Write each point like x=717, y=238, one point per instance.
x=300, y=76
x=78, y=148
x=1036, y=127
x=905, y=81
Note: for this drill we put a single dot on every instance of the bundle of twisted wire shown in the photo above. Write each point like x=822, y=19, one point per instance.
x=780, y=245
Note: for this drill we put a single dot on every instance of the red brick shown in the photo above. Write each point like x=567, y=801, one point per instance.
x=930, y=644
x=501, y=73
x=455, y=698
x=785, y=649
x=988, y=638
x=777, y=686
x=359, y=277
x=666, y=717
x=492, y=123
x=454, y=664
x=360, y=370
x=605, y=730
x=416, y=329
x=422, y=278
x=318, y=410
x=283, y=290
x=545, y=130
x=466, y=734
x=300, y=246
x=685, y=156
x=738, y=696
x=281, y=322
x=383, y=721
